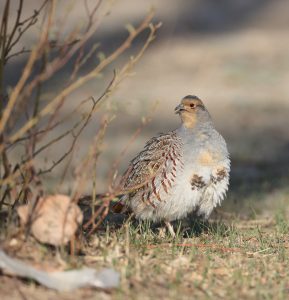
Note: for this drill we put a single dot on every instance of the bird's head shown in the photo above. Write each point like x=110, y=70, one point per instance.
x=192, y=110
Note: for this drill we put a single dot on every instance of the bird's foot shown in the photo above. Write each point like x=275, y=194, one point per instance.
x=170, y=228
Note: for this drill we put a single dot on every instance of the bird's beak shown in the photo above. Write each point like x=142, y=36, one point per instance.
x=179, y=108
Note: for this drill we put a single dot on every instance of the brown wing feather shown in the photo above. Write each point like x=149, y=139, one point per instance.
x=152, y=172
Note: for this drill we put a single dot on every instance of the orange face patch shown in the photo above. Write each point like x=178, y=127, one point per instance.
x=189, y=119
x=190, y=107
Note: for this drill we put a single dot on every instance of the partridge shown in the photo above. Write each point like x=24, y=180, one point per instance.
x=179, y=172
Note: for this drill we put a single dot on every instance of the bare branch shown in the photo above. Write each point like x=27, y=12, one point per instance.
x=79, y=82
x=17, y=28
x=27, y=71
x=91, y=14
x=20, y=52
x=49, y=56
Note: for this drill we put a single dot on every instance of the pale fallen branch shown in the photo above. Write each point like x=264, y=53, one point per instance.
x=61, y=280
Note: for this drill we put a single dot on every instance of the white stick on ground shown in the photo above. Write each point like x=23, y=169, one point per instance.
x=62, y=280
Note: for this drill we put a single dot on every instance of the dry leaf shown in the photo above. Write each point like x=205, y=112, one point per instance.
x=54, y=220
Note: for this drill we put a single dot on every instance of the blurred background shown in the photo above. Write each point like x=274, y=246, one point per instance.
x=233, y=54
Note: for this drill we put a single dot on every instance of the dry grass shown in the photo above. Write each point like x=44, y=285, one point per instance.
x=227, y=258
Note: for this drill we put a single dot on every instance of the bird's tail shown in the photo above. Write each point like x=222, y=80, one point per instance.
x=117, y=206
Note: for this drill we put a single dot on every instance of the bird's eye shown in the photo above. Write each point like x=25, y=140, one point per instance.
x=192, y=105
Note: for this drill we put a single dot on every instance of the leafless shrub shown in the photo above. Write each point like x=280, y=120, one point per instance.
x=27, y=119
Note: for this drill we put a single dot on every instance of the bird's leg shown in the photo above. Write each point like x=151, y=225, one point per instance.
x=170, y=228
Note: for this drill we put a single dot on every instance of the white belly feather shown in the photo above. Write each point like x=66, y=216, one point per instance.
x=182, y=199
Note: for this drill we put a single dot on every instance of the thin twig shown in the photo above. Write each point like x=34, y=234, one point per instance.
x=79, y=82
x=115, y=164
x=26, y=73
